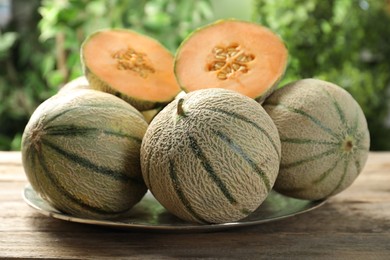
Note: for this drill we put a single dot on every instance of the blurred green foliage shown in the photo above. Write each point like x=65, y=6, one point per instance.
x=346, y=42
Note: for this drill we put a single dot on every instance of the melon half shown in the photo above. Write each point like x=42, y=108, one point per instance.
x=231, y=54
x=130, y=65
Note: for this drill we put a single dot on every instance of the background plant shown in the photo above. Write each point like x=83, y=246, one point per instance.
x=345, y=42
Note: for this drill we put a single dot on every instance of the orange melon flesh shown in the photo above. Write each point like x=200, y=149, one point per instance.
x=230, y=54
x=131, y=63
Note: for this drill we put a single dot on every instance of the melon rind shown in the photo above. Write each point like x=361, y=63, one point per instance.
x=142, y=105
x=215, y=163
x=80, y=153
x=324, y=135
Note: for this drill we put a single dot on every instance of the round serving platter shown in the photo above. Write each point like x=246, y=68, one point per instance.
x=149, y=215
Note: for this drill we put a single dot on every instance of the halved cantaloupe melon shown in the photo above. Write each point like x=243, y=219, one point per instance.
x=231, y=54
x=130, y=65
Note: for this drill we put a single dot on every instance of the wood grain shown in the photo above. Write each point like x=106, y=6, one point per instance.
x=354, y=224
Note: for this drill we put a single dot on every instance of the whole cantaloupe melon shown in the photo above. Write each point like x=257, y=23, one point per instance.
x=211, y=156
x=324, y=136
x=80, y=152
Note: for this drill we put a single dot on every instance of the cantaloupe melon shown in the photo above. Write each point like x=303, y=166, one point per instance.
x=232, y=54
x=324, y=135
x=81, y=152
x=130, y=65
x=211, y=156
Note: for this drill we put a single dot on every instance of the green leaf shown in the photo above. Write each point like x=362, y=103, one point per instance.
x=7, y=40
x=16, y=142
x=48, y=64
x=55, y=78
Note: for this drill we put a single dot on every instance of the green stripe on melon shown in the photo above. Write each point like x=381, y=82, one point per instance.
x=245, y=119
x=64, y=192
x=199, y=154
x=324, y=136
x=88, y=164
x=180, y=193
x=66, y=130
x=240, y=150
x=205, y=158
x=81, y=153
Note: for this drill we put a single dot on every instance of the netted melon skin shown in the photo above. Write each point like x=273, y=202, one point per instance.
x=214, y=163
x=324, y=135
x=80, y=153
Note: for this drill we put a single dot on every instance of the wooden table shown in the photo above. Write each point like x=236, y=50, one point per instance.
x=352, y=225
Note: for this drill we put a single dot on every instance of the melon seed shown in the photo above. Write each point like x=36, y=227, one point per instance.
x=129, y=59
x=227, y=61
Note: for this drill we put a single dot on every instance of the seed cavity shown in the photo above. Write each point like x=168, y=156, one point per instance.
x=129, y=59
x=229, y=61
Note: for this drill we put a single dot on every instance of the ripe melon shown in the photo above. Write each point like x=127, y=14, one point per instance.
x=324, y=136
x=231, y=54
x=211, y=156
x=81, y=152
x=130, y=65
x=75, y=84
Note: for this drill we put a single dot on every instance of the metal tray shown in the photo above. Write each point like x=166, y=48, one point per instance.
x=149, y=215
